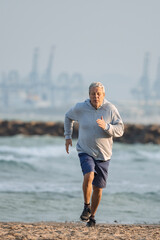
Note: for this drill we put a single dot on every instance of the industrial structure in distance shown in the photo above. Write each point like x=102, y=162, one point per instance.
x=147, y=94
x=144, y=91
x=45, y=95
x=35, y=91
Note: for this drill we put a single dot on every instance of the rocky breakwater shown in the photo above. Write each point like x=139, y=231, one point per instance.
x=14, y=127
x=134, y=133
x=139, y=133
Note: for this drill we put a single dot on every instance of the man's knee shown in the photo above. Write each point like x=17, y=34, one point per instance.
x=88, y=177
x=97, y=189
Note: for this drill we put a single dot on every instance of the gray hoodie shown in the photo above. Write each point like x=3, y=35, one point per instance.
x=92, y=139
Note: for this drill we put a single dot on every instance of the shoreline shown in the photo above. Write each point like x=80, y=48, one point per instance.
x=78, y=230
x=133, y=133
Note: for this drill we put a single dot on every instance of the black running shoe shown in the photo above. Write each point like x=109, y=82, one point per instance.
x=85, y=214
x=91, y=223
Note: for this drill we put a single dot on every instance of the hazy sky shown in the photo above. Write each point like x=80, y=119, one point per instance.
x=94, y=37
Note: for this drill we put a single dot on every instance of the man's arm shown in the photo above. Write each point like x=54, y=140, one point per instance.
x=68, y=142
x=101, y=123
x=115, y=128
x=70, y=117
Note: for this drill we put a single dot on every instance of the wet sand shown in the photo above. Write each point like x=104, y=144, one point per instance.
x=78, y=230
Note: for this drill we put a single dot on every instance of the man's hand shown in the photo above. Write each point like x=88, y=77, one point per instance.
x=68, y=142
x=101, y=123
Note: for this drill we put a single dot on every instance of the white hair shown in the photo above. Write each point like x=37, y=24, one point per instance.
x=96, y=84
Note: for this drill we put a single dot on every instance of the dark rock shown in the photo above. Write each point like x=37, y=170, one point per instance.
x=134, y=133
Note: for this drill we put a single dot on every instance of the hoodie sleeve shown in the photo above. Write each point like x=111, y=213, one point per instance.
x=70, y=117
x=116, y=127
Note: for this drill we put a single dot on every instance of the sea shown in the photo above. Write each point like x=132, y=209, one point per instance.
x=39, y=182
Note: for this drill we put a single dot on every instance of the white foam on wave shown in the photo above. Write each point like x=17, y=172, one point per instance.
x=128, y=186
x=18, y=159
x=151, y=155
x=138, y=152
x=38, y=187
x=46, y=151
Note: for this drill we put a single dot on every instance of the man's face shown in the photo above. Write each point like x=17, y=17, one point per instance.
x=96, y=96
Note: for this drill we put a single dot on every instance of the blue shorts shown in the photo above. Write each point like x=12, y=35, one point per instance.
x=100, y=169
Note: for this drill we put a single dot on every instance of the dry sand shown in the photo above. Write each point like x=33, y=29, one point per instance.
x=52, y=230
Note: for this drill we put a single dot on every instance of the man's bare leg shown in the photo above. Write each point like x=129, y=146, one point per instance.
x=87, y=192
x=96, y=198
x=87, y=186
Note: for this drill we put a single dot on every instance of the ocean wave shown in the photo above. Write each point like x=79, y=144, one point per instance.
x=19, y=162
x=144, y=155
x=137, y=152
x=122, y=197
x=42, y=151
x=69, y=189
x=133, y=197
x=15, y=165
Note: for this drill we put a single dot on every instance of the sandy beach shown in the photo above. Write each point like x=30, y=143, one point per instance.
x=78, y=230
